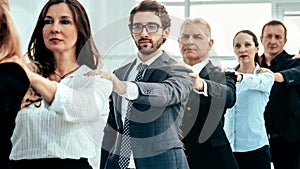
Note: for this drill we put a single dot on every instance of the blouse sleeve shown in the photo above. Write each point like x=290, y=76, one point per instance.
x=262, y=82
x=85, y=99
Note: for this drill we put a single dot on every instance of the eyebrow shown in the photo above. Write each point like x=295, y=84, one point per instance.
x=64, y=17
x=146, y=23
x=198, y=34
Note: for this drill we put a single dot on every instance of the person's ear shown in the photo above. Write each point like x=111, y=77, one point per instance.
x=211, y=43
x=166, y=32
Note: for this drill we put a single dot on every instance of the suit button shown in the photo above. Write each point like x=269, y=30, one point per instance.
x=188, y=108
x=148, y=92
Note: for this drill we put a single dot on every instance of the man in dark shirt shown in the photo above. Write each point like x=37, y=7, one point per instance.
x=282, y=113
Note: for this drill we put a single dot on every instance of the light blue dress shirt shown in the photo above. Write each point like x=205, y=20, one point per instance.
x=244, y=122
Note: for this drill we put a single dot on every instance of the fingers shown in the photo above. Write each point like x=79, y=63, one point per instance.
x=90, y=73
x=193, y=75
x=263, y=70
x=102, y=73
x=296, y=56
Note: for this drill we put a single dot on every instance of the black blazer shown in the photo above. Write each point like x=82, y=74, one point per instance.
x=207, y=146
x=282, y=114
x=13, y=86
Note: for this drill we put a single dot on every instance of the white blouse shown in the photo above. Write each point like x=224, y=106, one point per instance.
x=70, y=127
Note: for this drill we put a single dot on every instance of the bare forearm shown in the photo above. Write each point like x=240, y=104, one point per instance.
x=43, y=86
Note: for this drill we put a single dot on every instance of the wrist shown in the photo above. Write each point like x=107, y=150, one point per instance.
x=278, y=77
x=120, y=87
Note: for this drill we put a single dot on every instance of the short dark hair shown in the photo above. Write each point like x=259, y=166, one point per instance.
x=152, y=6
x=273, y=23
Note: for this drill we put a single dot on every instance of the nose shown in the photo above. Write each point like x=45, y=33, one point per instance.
x=273, y=40
x=190, y=41
x=242, y=48
x=144, y=32
x=55, y=28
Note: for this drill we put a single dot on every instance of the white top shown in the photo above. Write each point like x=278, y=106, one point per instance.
x=68, y=128
x=244, y=123
x=197, y=68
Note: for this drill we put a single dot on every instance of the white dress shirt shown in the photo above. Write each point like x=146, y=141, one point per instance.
x=70, y=127
x=197, y=68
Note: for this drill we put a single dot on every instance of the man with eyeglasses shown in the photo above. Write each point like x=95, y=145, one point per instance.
x=147, y=109
x=205, y=141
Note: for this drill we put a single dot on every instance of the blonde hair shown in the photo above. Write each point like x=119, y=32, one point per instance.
x=9, y=37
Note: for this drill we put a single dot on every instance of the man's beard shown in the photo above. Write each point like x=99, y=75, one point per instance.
x=153, y=48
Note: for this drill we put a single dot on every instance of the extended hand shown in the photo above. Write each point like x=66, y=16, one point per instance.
x=277, y=76
x=198, y=82
x=118, y=86
x=296, y=56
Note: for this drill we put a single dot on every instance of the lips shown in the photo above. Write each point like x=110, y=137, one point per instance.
x=189, y=49
x=55, y=40
x=272, y=47
x=144, y=41
x=243, y=56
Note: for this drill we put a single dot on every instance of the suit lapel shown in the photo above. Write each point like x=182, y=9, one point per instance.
x=127, y=70
x=156, y=63
x=206, y=70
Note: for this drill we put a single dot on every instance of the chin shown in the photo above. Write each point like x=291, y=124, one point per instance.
x=147, y=51
x=189, y=56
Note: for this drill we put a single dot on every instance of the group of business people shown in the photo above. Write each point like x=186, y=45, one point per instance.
x=162, y=113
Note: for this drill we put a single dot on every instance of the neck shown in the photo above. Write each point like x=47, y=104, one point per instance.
x=62, y=72
x=270, y=56
x=246, y=68
x=145, y=58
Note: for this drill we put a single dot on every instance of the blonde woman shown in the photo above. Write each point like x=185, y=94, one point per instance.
x=13, y=81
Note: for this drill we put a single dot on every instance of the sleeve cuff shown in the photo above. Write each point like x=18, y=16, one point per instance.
x=61, y=95
x=132, y=91
x=204, y=92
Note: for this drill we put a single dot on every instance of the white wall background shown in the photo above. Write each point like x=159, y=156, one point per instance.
x=109, y=20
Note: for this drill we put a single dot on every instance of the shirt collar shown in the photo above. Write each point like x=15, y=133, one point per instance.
x=255, y=69
x=199, y=66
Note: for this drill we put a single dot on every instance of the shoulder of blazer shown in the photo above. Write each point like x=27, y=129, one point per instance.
x=208, y=69
x=166, y=58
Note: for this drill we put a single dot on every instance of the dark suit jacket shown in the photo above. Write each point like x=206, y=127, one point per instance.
x=282, y=113
x=156, y=117
x=207, y=146
x=13, y=86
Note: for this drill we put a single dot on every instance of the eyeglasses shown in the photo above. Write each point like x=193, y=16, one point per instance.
x=150, y=28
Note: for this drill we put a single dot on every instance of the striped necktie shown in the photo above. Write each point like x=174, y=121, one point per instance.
x=126, y=142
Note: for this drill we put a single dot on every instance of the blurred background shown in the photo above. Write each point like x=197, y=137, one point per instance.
x=109, y=20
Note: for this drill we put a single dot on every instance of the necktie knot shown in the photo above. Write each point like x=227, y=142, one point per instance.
x=141, y=67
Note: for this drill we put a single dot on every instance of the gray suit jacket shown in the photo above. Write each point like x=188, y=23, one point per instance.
x=156, y=117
